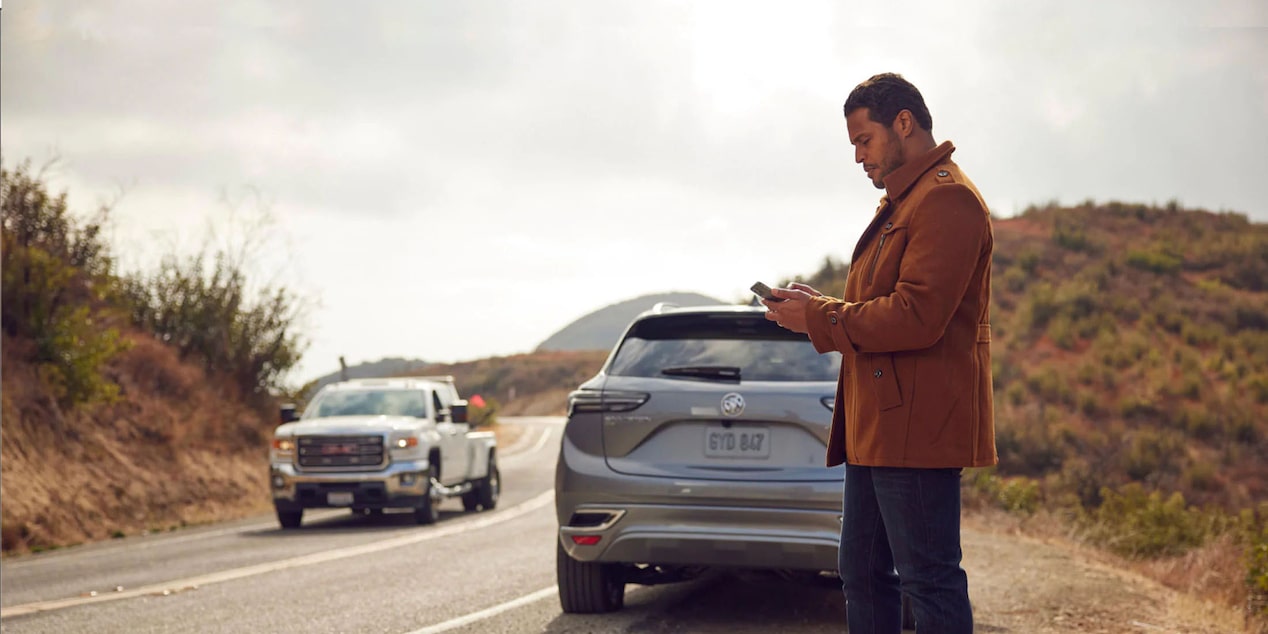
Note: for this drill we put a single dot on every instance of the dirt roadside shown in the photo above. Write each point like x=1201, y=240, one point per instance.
x=1028, y=585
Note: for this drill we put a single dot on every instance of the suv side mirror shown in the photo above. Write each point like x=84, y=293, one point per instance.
x=458, y=411
x=288, y=414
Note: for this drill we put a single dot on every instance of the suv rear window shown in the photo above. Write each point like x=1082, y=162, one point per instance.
x=760, y=349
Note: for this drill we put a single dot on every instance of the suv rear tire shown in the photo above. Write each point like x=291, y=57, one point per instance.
x=588, y=587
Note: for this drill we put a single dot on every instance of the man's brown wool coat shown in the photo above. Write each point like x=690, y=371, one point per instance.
x=914, y=326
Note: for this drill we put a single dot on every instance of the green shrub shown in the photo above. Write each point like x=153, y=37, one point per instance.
x=1258, y=386
x=1015, y=495
x=1137, y=406
x=1061, y=331
x=1029, y=261
x=1071, y=235
x=1051, y=386
x=1156, y=260
x=1088, y=404
x=1015, y=278
x=1019, y=495
x=1134, y=523
x=486, y=415
x=54, y=271
x=1151, y=453
x=204, y=306
x=1039, y=306
x=1015, y=394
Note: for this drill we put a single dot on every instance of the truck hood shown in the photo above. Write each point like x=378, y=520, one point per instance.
x=337, y=425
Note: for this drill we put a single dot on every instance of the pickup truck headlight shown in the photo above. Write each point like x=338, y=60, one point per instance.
x=404, y=447
x=282, y=449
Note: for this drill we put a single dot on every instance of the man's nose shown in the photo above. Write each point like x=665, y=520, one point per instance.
x=858, y=155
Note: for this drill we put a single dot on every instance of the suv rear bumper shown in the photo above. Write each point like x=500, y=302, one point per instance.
x=688, y=535
x=680, y=522
x=401, y=484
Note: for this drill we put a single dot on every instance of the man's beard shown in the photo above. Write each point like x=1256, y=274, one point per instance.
x=893, y=160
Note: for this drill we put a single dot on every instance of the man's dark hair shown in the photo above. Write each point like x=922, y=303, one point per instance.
x=885, y=95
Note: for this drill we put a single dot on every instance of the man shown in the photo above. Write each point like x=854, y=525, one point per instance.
x=913, y=401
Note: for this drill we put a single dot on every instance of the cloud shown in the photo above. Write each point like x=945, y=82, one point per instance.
x=561, y=155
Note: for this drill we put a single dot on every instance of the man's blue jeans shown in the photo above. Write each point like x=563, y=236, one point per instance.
x=903, y=524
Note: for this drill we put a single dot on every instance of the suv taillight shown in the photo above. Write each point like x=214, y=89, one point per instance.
x=605, y=401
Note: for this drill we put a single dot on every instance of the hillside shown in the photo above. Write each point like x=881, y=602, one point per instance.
x=387, y=366
x=600, y=329
x=1132, y=345
x=535, y=384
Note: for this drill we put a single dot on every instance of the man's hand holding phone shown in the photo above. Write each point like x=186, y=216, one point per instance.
x=786, y=306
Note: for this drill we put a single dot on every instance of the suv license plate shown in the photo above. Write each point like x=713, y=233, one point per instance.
x=339, y=498
x=736, y=442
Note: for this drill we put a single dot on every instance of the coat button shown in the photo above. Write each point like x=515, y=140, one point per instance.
x=889, y=225
x=877, y=374
x=832, y=319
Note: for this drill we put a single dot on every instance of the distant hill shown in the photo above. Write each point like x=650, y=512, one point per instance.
x=388, y=366
x=600, y=329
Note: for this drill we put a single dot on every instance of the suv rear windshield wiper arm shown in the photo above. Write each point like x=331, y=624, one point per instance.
x=720, y=372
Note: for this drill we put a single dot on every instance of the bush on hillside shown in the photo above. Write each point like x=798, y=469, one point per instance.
x=1136, y=523
x=203, y=306
x=54, y=269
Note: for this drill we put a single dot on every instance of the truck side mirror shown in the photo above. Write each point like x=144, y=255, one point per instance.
x=288, y=414
x=458, y=411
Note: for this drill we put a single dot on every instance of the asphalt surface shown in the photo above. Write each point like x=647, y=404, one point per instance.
x=488, y=572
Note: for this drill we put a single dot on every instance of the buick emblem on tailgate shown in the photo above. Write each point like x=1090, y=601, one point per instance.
x=733, y=404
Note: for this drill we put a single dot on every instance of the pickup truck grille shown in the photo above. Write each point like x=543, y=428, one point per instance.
x=340, y=451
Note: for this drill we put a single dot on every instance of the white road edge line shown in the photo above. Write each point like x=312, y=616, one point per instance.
x=178, y=585
x=541, y=442
x=487, y=612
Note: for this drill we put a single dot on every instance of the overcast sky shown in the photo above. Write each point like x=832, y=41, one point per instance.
x=455, y=180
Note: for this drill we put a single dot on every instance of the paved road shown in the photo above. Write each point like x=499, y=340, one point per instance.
x=471, y=572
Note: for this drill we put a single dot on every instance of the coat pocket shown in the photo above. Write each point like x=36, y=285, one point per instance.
x=889, y=248
x=885, y=382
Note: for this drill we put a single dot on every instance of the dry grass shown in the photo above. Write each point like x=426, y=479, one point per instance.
x=174, y=451
x=1207, y=581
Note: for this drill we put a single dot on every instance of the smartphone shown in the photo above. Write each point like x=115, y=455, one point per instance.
x=763, y=291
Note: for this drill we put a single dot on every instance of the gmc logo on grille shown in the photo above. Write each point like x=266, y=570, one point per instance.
x=342, y=449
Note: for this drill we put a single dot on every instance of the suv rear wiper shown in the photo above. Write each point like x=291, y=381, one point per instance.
x=720, y=372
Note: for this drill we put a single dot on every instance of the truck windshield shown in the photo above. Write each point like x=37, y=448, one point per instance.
x=369, y=403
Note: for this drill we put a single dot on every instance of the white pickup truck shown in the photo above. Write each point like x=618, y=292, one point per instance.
x=373, y=444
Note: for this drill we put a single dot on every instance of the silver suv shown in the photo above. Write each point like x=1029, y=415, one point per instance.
x=700, y=443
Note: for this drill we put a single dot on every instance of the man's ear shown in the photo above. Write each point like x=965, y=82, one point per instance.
x=904, y=124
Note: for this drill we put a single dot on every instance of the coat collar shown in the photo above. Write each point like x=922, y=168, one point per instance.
x=901, y=179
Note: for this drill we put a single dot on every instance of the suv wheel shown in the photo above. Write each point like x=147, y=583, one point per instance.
x=290, y=519
x=588, y=587
x=429, y=512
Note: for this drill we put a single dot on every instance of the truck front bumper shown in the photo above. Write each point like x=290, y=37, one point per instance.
x=401, y=484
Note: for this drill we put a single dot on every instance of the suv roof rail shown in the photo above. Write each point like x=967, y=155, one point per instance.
x=663, y=307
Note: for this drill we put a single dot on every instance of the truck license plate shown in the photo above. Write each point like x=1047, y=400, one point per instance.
x=339, y=498
x=736, y=442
